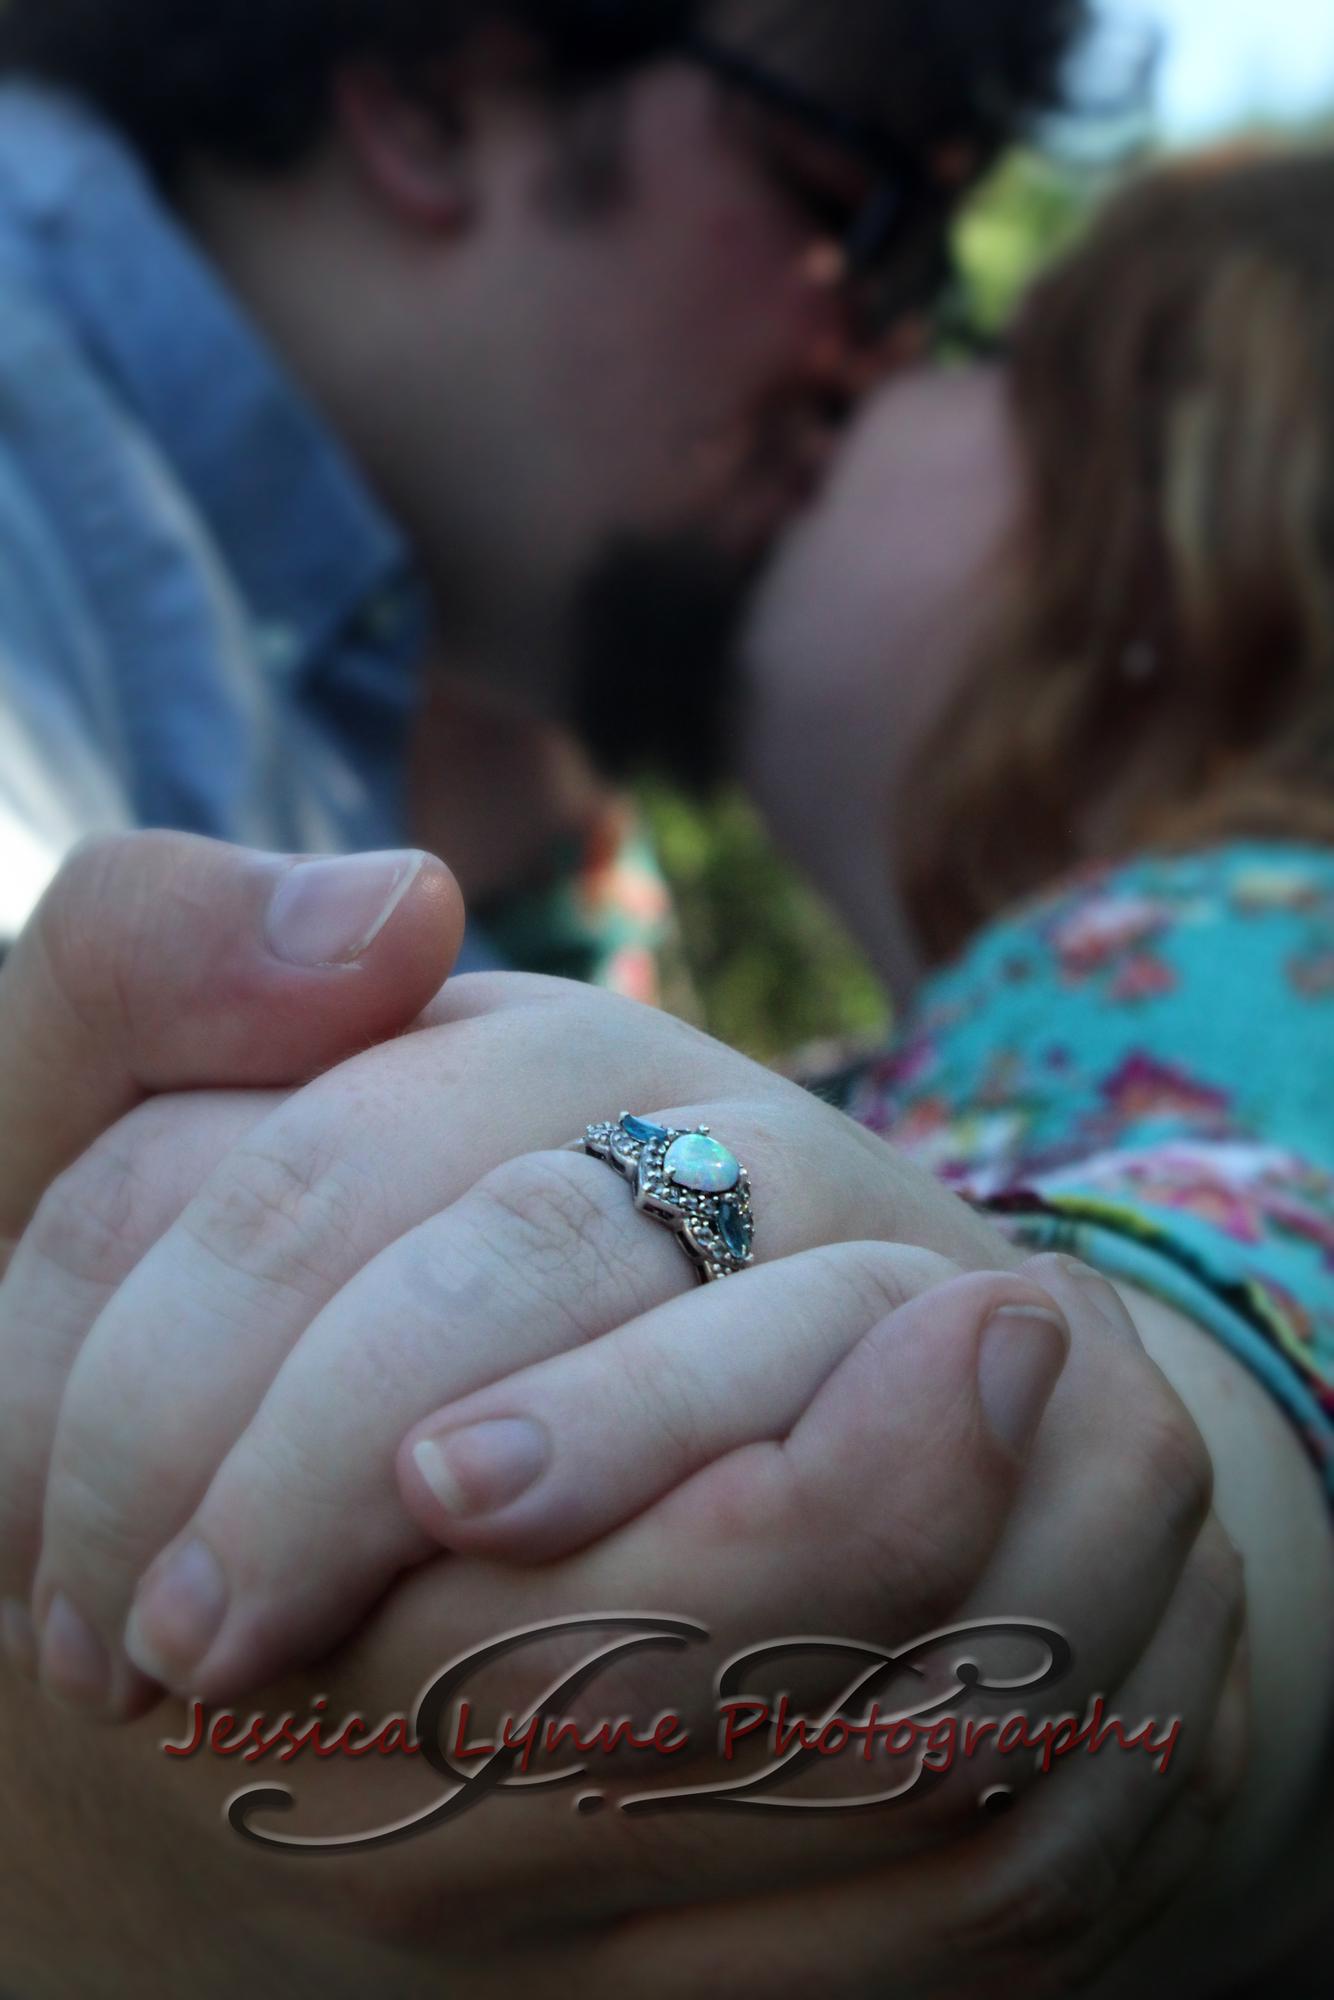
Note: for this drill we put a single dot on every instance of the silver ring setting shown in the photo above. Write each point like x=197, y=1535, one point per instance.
x=687, y=1181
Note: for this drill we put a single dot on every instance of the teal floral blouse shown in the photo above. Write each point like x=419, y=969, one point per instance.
x=1139, y=1069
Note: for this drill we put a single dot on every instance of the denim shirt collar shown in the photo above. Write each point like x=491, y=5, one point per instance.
x=89, y=226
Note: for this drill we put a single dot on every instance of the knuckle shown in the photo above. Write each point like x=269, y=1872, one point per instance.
x=1170, y=1458
x=878, y=1278
x=86, y=1223
x=1219, y=1573
x=281, y=1215
x=548, y=1213
x=911, y=1564
x=908, y=1560
x=662, y=1403
x=88, y=922
x=90, y=1516
x=1052, y=1903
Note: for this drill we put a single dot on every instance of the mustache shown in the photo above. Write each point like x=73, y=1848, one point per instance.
x=657, y=687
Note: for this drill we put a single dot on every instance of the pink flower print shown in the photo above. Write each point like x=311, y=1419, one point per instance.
x=1102, y=930
x=1145, y=1088
x=1313, y=975
x=1144, y=977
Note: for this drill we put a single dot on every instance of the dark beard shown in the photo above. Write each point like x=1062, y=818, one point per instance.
x=656, y=685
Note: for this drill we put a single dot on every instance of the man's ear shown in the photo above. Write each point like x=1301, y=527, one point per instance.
x=412, y=153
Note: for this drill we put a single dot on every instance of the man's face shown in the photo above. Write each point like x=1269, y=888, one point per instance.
x=693, y=334
x=670, y=361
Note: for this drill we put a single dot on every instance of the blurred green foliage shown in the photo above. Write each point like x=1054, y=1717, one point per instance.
x=1030, y=210
x=772, y=970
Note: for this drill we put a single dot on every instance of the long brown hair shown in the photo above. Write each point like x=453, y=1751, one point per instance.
x=1160, y=672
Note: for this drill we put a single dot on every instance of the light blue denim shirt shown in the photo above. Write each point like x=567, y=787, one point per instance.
x=206, y=621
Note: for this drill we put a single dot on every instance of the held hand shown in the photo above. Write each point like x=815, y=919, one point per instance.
x=267, y=1314
x=243, y=1396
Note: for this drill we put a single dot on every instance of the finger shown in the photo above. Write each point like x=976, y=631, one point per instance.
x=89, y=1233
x=298, y=1210
x=1161, y=1850
x=290, y=1216
x=156, y=961
x=159, y=961
x=608, y=1430
x=1119, y=1489
x=721, y=1368
x=745, y=1548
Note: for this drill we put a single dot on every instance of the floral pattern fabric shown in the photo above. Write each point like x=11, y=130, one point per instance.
x=1139, y=1069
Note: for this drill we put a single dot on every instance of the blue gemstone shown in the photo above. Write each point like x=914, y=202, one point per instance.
x=736, y=1230
x=647, y=1135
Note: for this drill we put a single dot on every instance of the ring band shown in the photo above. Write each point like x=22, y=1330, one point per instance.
x=689, y=1182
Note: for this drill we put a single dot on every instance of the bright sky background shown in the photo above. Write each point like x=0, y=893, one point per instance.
x=1231, y=60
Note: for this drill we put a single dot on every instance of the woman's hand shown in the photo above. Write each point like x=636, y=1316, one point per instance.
x=280, y=1243
x=242, y=1398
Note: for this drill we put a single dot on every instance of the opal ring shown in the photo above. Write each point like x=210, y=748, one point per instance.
x=687, y=1181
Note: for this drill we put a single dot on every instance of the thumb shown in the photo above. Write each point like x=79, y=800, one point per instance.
x=915, y=1448
x=159, y=961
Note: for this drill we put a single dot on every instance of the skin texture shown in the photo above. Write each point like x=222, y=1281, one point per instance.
x=150, y=967
x=888, y=584
x=1149, y=1505
x=652, y=365
x=521, y=384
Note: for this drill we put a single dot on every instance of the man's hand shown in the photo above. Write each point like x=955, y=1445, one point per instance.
x=159, y=963
x=871, y=1518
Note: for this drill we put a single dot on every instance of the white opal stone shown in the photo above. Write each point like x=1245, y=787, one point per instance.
x=702, y=1164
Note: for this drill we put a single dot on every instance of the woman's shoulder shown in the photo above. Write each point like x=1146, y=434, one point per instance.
x=1138, y=1067
x=1099, y=919
x=1184, y=992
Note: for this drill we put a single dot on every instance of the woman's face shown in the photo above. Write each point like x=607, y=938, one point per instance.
x=868, y=620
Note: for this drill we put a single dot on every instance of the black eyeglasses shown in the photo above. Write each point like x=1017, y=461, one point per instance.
x=896, y=243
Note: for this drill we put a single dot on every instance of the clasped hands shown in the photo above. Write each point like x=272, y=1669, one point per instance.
x=269, y=1350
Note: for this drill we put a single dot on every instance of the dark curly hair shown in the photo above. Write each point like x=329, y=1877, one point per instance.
x=248, y=80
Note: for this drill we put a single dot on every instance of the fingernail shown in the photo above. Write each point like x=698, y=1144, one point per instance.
x=177, y=1613
x=484, y=1468
x=74, y=1664
x=331, y=912
x=18, y=1635
x=1022, y=1355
